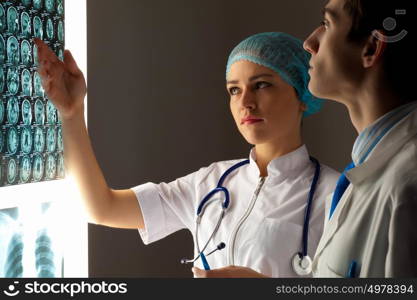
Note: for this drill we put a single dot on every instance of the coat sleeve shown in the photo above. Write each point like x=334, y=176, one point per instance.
x=167, y=207
x=401, y=258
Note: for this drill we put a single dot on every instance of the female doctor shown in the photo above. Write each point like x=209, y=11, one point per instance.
x=255, y=217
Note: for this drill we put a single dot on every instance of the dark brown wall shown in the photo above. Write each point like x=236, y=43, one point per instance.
x=158, y=108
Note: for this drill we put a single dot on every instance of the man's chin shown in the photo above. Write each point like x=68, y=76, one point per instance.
x=316, y=90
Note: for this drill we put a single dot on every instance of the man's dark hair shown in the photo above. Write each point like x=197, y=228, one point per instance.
x=399, y=59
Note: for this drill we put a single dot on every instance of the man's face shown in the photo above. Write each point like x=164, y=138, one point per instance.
x=336, y=65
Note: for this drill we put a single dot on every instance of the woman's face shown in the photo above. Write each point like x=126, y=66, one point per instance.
x=265, y=108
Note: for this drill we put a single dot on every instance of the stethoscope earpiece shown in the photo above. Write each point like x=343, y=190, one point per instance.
x=219, y=247
x=184, y=261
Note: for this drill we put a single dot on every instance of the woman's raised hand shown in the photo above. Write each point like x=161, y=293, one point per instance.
x=63, y=82
x=65, y=86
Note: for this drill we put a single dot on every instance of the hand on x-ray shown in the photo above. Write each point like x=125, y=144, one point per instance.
x=63, y=82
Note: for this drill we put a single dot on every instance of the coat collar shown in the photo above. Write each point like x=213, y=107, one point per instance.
x=371, y=136
x=389, y=145
x=283, y=166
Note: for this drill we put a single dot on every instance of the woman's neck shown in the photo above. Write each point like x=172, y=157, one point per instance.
x=265, y=153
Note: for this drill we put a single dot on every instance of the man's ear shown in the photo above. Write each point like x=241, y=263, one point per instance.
x=373, y=49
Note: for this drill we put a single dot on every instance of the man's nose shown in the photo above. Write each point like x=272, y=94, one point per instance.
x=311, y=44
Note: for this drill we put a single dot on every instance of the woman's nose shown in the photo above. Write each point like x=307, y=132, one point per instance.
x=248, y=100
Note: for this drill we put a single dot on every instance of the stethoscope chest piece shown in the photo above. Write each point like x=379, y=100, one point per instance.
x=302, y=265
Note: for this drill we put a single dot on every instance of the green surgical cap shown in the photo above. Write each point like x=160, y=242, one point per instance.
x=283, y=54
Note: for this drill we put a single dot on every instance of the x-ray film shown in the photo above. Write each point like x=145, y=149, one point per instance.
x=31, y=239
x=31, y=147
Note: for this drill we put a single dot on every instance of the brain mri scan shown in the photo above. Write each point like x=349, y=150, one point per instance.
x=31, y=146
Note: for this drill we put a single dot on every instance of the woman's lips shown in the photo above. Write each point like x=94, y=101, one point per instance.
x=251, y=120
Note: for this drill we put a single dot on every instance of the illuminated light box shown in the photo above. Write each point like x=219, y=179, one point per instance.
x=31, y=146
x=31, y=242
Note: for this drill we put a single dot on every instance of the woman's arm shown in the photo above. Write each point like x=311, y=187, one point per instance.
x=228, y=272
x=65, y=85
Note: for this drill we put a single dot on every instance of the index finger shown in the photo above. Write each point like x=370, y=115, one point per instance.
x=44, y=52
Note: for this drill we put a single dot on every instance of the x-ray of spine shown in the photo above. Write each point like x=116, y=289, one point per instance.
x=14, y=260
x=31, y=148
x=44, y=255
x=31, y=242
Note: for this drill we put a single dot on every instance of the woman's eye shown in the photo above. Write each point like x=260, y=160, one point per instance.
x=324, y=23
x=262, y=84
x=233, y=90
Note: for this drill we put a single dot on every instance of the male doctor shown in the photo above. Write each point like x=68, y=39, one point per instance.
x=362, y=57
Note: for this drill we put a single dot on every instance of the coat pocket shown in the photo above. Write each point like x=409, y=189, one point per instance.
x=331, y=272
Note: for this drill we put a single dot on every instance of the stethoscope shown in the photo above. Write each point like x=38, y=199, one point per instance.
x=301, y=262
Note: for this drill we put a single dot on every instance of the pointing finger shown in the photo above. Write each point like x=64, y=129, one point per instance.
x=44, y=52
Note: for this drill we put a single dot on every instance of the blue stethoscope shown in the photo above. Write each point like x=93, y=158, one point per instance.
x=301, y=262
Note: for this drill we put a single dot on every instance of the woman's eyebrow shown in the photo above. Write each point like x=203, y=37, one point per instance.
x=251, y=78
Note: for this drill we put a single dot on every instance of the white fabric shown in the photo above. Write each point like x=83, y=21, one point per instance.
x=371, y=135
x=271, y=234
x=375, y=222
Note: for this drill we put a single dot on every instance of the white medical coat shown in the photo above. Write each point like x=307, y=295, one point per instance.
x=271, y=232
x=375, y=222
